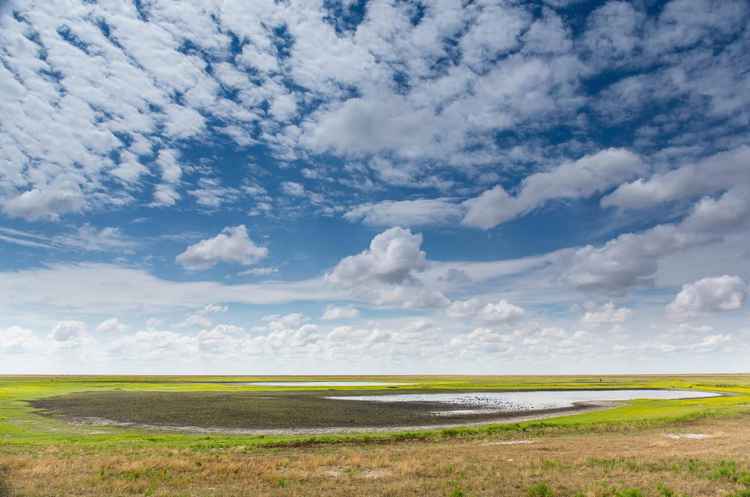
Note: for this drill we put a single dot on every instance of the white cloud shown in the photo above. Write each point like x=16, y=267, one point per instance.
x=501, y=311
x=77, y=142
x=211, y=194
x=259, y=271
x=86, y=237
x=713, y=174
x=334, y=312
x=156, y=345
x=285, y=321
x=394, y=256
x=387, y=272
x=200, y=319
x=48, y=202
x=464, y=308
x=683, y=23
x=547, y=34
x=293, y=189
x=92, y=239
x=582, y=178
x=111, y=288
x=608, y=313
x=225, y=340
x=69, y=331
x=709, y=295
x=196, y=321
x=613, y=33
x=420, y=212
x=232, y=245
x=632, y=259
x=214, y=308
x=111, y=325
x=17, y=340
x=484, y=341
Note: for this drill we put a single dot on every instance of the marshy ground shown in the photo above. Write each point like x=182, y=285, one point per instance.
x=258, y=410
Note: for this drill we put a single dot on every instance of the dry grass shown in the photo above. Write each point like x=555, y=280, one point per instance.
x=596, y=464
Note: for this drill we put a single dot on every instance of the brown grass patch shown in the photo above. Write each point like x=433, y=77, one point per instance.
x=592, y=465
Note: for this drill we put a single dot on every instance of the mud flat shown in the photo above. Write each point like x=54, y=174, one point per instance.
x=286, y=413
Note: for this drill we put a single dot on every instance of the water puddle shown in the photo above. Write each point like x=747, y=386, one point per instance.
x=482, y=402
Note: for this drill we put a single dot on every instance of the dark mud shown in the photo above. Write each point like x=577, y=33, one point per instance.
x=277, y=411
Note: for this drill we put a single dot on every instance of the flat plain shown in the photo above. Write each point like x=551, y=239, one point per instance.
x=102, y=436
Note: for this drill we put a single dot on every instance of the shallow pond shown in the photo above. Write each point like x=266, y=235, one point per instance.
x=525, y=401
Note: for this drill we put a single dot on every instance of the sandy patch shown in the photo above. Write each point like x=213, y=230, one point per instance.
x=688, y=436
x=333, y=472
x=511, y=442
x=374, y=474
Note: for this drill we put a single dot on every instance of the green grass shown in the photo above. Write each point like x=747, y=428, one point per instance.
x=21, y=424
x=540, y=490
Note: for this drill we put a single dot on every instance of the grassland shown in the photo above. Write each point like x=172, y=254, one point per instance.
x=633, y=448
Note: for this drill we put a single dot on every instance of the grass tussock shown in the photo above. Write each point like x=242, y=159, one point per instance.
x=5, y=490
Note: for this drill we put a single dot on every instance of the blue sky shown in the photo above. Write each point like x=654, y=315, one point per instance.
x=374, y=186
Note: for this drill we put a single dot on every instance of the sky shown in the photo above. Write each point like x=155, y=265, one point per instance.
x=374, y=186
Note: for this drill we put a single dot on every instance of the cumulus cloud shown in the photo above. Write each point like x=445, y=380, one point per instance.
x=709, y=295
x=394, y=256
x=197, y=321
x=464, y=308
x=222, y=339
x=485, y=341
x=69, y=331
x=579, y=179
x=387, y=272
x=334, y=312
x=232, y=245
x=608, y=313
x=156, y=345
x=200, y=319
x=17, y=340
x=501, y=311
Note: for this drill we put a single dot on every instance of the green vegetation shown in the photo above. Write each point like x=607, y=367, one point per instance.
x=21, y=423
x=601, y=460
x=540, y=490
